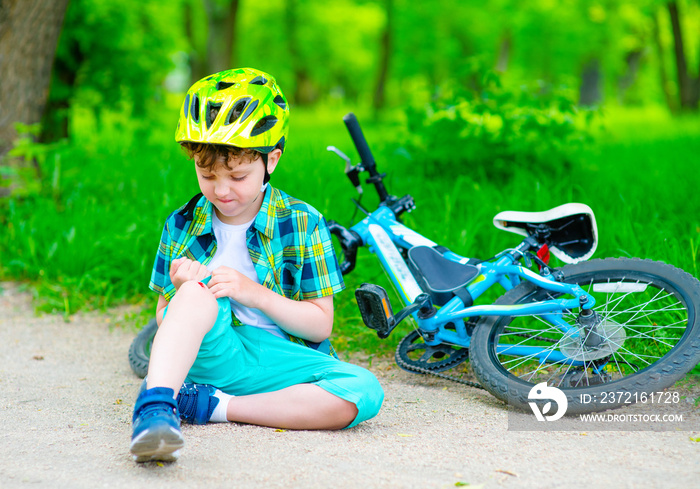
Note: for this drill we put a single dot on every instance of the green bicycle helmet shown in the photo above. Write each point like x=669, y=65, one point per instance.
x=242, y=107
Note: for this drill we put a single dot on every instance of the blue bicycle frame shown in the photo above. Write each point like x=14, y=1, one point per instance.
x=384, y=235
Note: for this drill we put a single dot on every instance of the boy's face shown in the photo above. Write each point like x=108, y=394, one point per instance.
x=236, y=192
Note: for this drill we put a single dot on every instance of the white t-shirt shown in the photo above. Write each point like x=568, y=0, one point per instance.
x=232, y=252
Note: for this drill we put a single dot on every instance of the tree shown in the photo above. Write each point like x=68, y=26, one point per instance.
x=29, y=32
x=221, y=20
x=218, y=52
x=384, y=58
x=590, y=89
x=111, y=56
x=664, y=79
x=304, y=90
x=688, y=87
x=196, y=59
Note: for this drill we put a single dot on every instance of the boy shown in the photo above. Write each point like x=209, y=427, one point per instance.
x=246, y=276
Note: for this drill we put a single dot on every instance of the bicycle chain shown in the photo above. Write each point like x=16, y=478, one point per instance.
x=426, y=371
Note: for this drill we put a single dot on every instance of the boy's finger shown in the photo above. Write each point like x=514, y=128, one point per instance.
x=222, y=270
x=220, y=292
x=175, y=266
x=178, y=262
x=212, y=281
x=182, y=267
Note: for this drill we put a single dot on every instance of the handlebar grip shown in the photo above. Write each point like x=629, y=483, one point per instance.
x=359, y=139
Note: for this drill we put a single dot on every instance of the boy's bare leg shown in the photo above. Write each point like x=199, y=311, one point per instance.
x=191, y=314
x=298, y=407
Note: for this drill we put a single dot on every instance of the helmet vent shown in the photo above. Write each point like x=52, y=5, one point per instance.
x=279, y=100
x=212, y=112
x=264, y=125
x=237, y=110
x=223, y=85
x=249, y=110
x=194, y=108
x=186, y=107
x=259, y=80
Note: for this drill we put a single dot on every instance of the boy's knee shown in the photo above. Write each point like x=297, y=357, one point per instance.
x=374, y=393
x=197, y=295
x=195, y=289
x=371, y=395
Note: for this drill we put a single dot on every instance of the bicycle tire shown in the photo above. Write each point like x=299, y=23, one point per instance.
x=140, y=349
x=627, y=326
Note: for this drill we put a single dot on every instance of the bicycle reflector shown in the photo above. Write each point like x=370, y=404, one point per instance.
x=373, y=302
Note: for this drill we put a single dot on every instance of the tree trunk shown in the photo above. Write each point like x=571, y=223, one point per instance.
x=221, y=19
x=687, y=87
x=230, y=33
x=29, y=31
x=54, y=123
x=379, y=99
x=504, y=52
x=632, y=61
x=304, y=90
x=197, y=69
x=663, y=74
x=590, y=93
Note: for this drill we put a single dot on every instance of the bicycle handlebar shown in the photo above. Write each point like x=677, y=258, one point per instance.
x=368, y=163
x=359, y=139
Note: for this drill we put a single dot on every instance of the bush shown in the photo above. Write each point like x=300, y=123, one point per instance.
x=484, y=127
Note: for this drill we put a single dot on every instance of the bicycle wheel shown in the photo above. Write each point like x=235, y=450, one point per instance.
x=140, y=349
x=648, y=336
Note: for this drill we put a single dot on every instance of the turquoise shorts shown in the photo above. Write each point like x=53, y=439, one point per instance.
x=243, y=360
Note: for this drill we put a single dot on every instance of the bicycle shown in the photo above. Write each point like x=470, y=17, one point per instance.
x=589, y=328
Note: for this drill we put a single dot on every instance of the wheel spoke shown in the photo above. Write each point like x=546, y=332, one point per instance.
x=641, y=317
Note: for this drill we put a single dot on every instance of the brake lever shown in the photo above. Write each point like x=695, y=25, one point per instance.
x=335, y=150
x=353, y=172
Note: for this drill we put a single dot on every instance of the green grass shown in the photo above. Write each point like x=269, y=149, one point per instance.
x=88, y=240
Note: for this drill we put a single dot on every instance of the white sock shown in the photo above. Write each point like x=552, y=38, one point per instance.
x=219, y=414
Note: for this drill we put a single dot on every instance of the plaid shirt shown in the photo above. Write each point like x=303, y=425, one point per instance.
x=289, y=244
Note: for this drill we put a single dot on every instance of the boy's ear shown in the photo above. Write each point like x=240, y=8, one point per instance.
x=273, y=158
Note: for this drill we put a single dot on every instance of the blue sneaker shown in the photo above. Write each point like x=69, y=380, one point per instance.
x=196, y=402
x=156, y=434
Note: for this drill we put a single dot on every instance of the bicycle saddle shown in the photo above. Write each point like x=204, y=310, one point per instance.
x=569, y=230
x=440, y=277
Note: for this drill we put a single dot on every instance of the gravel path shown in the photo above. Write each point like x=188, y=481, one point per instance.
x=66, y=395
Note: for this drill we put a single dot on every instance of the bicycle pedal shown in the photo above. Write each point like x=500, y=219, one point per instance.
x=375, y=308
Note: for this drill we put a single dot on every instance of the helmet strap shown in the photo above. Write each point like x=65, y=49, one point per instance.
x=266, y=178
x=267, y=174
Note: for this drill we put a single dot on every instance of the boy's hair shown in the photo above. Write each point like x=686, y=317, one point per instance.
x=208, y=155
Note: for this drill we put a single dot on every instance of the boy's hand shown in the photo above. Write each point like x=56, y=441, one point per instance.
x=227, y=282
x=184, y=269
x=310, y=319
